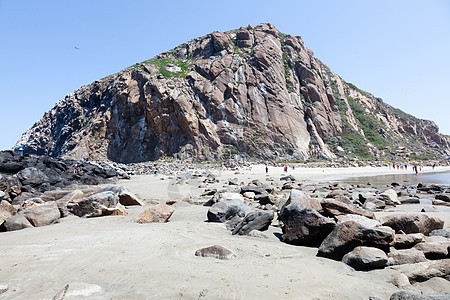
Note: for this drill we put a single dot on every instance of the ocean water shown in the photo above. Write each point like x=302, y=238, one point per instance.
x=404, y=179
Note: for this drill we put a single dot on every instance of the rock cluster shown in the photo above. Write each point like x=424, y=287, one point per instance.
x=38, y=190
x=334, y=218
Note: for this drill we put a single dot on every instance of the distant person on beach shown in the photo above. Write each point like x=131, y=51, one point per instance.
x=285, y=168
x=267, y=169
x=434, y=165
x=21, y=150
x=75, y=169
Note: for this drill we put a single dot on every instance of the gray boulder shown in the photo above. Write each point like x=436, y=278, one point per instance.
x=434, y=250
x=215, y=251
x=424, y=271
x=413, y=223
x=365, y=258
x=17, y=222
x=304, y=226
x=413, y=295
x=126, y=197
x=335, y=208
x=349, y=235
x=440, y=232
x=406, y=256
x=225, y=210
x=301, y=198
x=95, y=205
x=43, y=215
x=405, y=241
x=255, y=220
x=364, y=221
x=390, y=197
x=2, y=195
x=373, y=204
x=32, y=176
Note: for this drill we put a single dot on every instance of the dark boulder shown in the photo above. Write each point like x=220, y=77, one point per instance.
x=304, y=226
x=413, y=223
x=255, y=220
x=365, y=258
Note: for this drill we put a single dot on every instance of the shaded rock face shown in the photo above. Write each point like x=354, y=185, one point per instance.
x=256, y=92
x=304, y=226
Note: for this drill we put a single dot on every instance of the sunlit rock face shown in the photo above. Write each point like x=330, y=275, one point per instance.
x=253, y=91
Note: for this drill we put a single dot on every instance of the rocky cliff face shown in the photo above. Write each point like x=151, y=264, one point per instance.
x=252, y=91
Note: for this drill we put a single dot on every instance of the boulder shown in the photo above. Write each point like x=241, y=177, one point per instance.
x=424, y=271
x=349, y=235
x=365, y=258
x=32, y=176
x=215, y=251
x=100, y=204
x=232, y=223
x=226, y=208
x=440, y=232
x=434, y=250
x=2, y=195
x=255, y=220
x=440, y=202
x=252, y=188
x=43, y=215
x=413, y=223
x=126, y=197
x=373, y=204
x=443, y=197
x=409, y=200
x=17, y=222
x=406, y=256
x=335, y=208
x=257, y=234
x=301, y=198
x=304, y=226
x=413, y=295
x=390, y=197
x=364, y=221
x=6, y=211
x=156, y=214
x=405, y=241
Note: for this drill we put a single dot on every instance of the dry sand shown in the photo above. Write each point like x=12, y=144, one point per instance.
x=156, y=261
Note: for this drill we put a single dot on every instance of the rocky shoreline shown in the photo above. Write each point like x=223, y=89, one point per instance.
x=358, y=225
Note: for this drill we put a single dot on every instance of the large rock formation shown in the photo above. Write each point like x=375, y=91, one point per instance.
x=252, y=91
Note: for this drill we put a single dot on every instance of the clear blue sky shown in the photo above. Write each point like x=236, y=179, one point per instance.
x=397, y=50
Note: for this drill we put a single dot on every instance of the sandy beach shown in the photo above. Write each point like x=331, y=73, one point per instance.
x=156, y=261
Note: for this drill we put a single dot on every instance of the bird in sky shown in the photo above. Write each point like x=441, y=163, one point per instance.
x=77, y=48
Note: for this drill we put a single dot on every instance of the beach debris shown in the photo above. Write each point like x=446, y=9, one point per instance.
x=216, y=251
x=365, y=258
x=159, y=213
x=413, y=223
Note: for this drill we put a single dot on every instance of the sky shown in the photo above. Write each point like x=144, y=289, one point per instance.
x=397, y=50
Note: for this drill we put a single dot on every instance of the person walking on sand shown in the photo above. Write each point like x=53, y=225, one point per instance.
x=285, y=168
x=267, y=169
x=21, y=150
